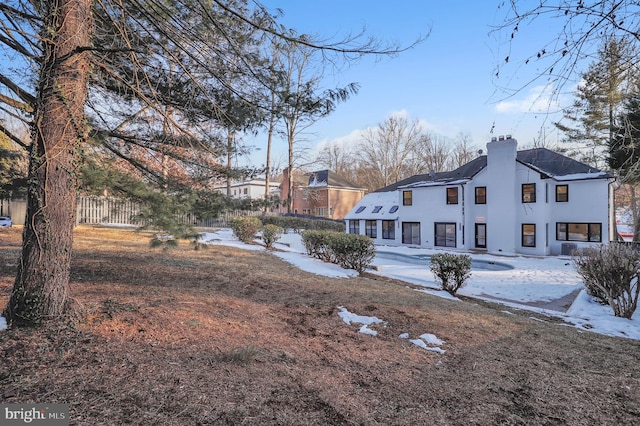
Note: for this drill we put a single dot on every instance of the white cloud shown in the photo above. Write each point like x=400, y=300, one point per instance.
x=348, y=140
x=539, y=99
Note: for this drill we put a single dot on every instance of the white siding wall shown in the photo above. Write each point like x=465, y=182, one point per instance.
x=531, y=213
x=476, y=213
x=430, y=207
x=586, y=205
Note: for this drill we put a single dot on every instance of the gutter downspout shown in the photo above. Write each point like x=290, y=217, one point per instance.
x=463, y=214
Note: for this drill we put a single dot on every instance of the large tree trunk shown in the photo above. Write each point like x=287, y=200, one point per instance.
x=41, y=289
x=290, y=191
x=635, y=214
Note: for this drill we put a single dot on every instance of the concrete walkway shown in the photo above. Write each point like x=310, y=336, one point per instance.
x=559, y=305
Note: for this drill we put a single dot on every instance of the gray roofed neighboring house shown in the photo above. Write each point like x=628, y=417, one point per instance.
x=322, y=193
x=329, y=178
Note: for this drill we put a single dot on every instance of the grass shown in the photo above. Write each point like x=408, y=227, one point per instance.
x=226, y=336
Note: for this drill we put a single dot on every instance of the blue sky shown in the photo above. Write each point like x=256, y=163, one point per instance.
x=447, y=81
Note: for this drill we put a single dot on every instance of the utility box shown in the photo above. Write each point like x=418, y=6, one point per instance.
x=567, y=249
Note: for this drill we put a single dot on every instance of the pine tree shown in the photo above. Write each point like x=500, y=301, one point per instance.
x=132, y=78
x=599, y=99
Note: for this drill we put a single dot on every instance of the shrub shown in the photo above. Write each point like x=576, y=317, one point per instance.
x=610, y=274
x=347, y=250
x=317, y=244
x=245, y=227
x=352, y=251
x=452, y=270
x=271, y=234
x=164, y=241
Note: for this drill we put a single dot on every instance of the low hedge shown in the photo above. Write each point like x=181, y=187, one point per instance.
x=298, y=224
x=347, y=250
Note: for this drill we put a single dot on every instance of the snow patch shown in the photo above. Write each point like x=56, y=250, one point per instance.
x=349, y=317
x=3, y=323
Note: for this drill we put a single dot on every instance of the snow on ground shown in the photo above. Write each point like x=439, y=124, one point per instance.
x=3, y=323
x=427, y=341
x=532, y=279
x=349, y=317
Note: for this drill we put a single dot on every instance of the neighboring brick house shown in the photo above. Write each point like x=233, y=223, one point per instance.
x=322, y=193
x=534, y=202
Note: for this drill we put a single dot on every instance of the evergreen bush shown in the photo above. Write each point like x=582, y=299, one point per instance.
x=610, y=273
x=452, y=270
x=352, y=251
x=245, y=227
x=347, y=250
x=270, y=234
x=317, y=244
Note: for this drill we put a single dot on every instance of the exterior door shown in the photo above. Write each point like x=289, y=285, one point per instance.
x=445, y=233
x=411, y=233
x=481, y=235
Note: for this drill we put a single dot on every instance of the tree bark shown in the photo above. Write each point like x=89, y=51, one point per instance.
x=290, y=191
x=41, y=288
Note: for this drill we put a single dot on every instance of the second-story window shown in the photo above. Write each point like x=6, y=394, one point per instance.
x=407, y=198
x=481, y=195
x=452, y=195
x=562, y=193
x=528, y=192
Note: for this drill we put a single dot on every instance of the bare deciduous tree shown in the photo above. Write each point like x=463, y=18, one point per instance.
x=388, y=150
x=463, y=150
x=432, y=154
x=339, y=158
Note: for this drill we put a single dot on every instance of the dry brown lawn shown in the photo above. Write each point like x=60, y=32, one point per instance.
x=232, y=337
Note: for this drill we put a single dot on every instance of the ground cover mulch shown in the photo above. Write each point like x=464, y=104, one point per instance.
x=235, y=337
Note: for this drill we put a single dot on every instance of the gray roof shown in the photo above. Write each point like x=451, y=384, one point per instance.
x=330, y=178
x=544, y=161
x=467, y=171
x=553, y=164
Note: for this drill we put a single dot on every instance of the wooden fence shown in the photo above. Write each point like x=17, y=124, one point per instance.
x=92, y=210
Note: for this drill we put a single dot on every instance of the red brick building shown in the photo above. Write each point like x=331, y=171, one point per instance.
x=322, y=193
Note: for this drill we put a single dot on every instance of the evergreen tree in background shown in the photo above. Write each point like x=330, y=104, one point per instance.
x=600, y=96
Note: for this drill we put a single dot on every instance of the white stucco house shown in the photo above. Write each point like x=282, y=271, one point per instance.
x=252, y=189
x=534, y=202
